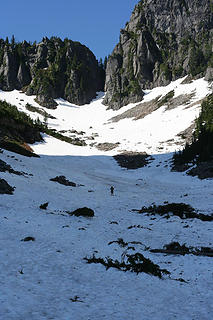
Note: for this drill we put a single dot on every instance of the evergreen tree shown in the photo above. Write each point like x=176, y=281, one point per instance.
x=13, y=42
x=105, y=62
x=7, y=41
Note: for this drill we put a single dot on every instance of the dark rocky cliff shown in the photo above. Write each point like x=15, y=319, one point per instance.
x=51, y=69
x=164, y=40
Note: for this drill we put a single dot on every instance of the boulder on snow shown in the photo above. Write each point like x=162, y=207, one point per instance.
x=82, y=212
x=132, y=160
x=64, y=181
x=46, y=101
x=43, y=206
x=5, y=188
x=28, y=239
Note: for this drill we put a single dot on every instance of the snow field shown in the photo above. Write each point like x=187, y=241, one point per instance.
x=38, y=278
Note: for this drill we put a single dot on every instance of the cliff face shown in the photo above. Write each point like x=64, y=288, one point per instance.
x=164, y=40
x=51, y=69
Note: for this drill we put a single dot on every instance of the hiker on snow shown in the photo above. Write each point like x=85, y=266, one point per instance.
x=112, y=190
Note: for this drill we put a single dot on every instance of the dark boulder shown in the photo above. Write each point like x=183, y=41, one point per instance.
x=64, y=181
x=5, y=188
x=28, y=239
x=46, y=101
x=44, y=206
x=83, y=212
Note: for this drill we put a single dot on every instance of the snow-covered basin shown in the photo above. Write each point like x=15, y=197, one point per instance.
x=152, y=134
x=40, y=279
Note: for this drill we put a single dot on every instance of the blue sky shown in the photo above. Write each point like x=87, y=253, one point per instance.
x=94, y=23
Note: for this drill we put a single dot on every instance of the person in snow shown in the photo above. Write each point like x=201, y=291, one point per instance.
x=112, y=190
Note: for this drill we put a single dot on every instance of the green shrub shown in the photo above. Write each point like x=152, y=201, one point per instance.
x=166, y=98
x=201, y=148
x=197, y=62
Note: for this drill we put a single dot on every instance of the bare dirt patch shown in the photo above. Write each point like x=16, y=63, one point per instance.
x=138, y=112
x=145, y=108
x=107, y=146
x=133, y=160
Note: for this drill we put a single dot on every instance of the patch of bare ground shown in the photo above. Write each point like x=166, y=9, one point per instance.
x=107, y=146
x=198, y=102
x=138, y=112
x=133, y=160
x=182, y=99
x=145, y=108
x=187, y=134
x=187, y=80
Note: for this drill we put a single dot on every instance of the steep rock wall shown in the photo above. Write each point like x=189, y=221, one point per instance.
x=164, y=40
x=51, y=69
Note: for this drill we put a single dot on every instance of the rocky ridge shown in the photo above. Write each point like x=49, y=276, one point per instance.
x=163, y=41
x=51, y=69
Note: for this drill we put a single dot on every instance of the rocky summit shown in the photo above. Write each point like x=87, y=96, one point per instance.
x=50, y=69
x=163, y=41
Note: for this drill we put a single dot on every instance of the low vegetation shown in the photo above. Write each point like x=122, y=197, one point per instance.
x=200, y=151
x=46, y=115
x=177, y=248
x=18, y=129
x=181, y=210
x=165, y=100
x=135, y=263
x=57, y=135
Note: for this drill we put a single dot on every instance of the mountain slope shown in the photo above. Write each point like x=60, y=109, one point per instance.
x=156, y=131
x=163, y=41
x=49, y=279
x=44, y=274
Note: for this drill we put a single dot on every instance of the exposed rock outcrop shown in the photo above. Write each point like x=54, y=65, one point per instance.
x=82, y=212
x=5, y=188
x=164, y=40
x=64, y=181
x=51, y=69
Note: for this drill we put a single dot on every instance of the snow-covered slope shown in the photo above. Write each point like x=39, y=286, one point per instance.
x=151, y=134
x=48, y=278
